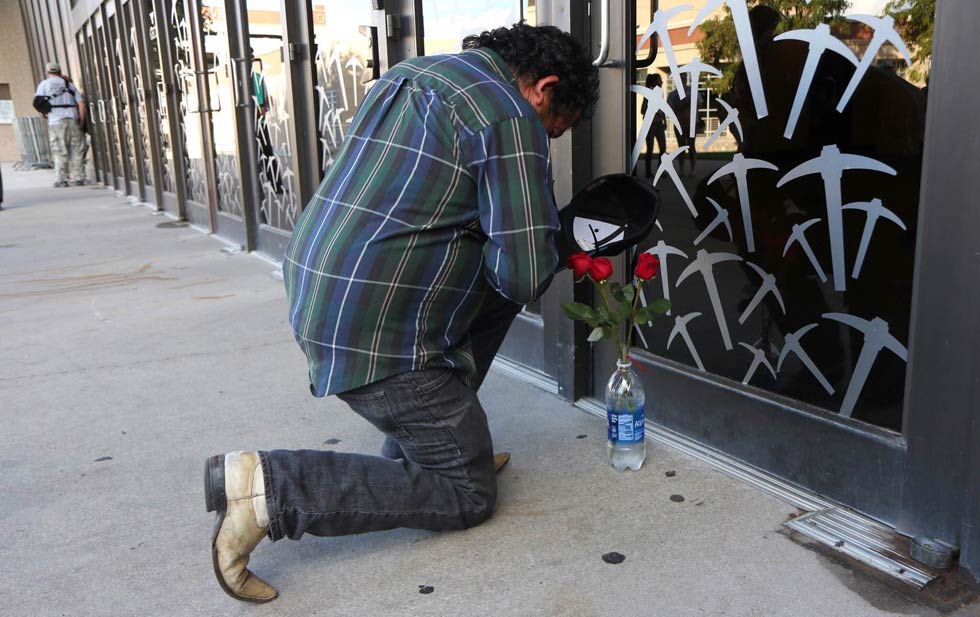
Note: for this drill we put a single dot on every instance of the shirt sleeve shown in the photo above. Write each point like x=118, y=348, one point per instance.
x=511, y=164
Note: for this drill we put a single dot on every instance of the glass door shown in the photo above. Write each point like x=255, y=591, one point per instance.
x=343, y=70
x=219, y=119
x=120, y=101
x=189, y=115
x=95, y=129
x=133, y=63
x=168, y=118
x=789, y=180
x=106, y=115
x=272, y=123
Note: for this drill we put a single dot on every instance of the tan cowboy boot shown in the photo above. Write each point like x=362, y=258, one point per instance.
x=500, y=459
x=234, y=487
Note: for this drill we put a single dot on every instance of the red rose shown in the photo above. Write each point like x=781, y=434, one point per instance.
x=580, y=263
x=647, y=266
x=601, y=269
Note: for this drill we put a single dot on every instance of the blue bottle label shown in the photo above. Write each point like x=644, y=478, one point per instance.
x=625, y=426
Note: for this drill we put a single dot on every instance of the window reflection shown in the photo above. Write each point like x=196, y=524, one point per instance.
x=448, y=22
x=270, y=98
x=221, y=104
x=343, y=71
x=788, y=254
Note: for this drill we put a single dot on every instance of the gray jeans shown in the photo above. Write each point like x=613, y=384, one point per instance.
x=437, y=468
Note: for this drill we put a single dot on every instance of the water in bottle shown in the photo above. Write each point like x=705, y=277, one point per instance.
x=624, y=412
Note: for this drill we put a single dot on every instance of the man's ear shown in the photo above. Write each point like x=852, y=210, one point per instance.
x=539, y=91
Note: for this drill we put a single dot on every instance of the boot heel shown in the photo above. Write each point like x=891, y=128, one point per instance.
x=214, y=484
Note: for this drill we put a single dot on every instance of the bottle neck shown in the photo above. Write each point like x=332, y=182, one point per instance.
x=623, y=364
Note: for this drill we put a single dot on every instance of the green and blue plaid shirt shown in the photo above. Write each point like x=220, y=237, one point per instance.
x=441, y=190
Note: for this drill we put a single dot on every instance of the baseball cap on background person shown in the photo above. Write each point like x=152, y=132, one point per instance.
x=607, y=216
x=52, y=67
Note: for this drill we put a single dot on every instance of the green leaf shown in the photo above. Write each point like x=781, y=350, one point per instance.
x=629, y=292
x=579, y=311
x=623, y=311
x=643, y=316
x=659, y=306
x=595, y=335
x=604, y=314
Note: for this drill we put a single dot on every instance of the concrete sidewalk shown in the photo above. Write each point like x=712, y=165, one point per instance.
x=134, y=347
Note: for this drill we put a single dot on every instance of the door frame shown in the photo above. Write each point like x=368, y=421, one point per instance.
x=113, y=171
x=848, y=461
x=173, y=202
x=128, y=84
x=82, y=44
x=129, y=185
x=919, y=480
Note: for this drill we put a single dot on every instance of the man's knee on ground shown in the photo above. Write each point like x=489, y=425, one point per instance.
x=481, y=496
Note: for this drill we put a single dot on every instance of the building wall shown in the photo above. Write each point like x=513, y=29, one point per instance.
x=15, y=70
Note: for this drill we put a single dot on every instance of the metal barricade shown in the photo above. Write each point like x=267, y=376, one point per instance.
x=32, y=139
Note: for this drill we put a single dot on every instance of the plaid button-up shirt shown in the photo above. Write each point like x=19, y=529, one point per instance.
x=441, y=190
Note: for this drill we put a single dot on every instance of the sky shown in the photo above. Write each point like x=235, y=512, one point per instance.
x=866, y=7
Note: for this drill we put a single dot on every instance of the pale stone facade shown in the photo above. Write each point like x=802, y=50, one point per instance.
x=15, y=71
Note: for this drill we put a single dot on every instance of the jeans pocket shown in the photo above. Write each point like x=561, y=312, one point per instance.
x=373, y=406
x=430, y=379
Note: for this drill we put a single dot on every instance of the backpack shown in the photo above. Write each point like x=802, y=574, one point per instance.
x=42, y=103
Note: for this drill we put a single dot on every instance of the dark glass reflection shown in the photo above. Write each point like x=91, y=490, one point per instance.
x=785, y=298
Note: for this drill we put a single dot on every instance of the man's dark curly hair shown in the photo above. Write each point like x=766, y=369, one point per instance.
x=534, y=52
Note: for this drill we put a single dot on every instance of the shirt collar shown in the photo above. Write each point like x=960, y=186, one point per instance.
x=496, y=63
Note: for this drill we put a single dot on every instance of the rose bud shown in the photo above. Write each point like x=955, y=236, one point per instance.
x=580, y=264
x=647, y=266
x=601, y=269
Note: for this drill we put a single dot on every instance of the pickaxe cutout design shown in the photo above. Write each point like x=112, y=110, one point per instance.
x=694, y=68
x=739, y=167
x=746, y=44
x=884, y=28
x=680, y=327
x=768, y=286
x=720, y=219
x=657, y=103
x=353, y=64
x=731, y=118
x=667, y=165
x=659, y=26
x=704, y=263
x=758, y=357
x=831, y=165
x=876, y=338
x=799, y=236
x=874, y=210
x=791, y=344
x=820, y=40
x=662, y=250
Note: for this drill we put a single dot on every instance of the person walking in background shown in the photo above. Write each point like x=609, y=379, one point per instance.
x=434, y=226
x=62, y=104
x=658, y=130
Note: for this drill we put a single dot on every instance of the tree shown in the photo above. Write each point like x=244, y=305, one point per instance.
x=720, y=43
x=914, y=20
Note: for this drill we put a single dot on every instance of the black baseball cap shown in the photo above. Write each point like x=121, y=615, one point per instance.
x=608, y=215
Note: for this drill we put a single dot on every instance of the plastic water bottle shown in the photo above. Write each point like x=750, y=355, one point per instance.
x=624, y=413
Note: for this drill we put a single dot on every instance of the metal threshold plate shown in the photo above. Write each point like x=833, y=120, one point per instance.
x=835, y=527
x=865, y=540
